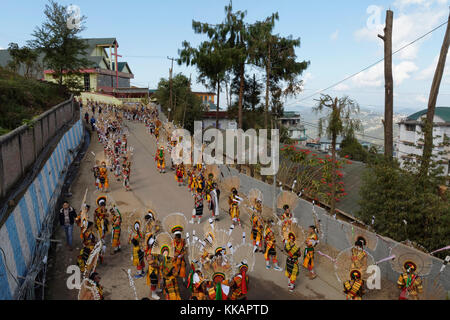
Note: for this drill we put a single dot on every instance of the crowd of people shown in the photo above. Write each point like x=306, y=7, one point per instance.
x=215, y=264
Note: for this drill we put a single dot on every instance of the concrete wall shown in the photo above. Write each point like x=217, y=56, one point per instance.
x=18, y=234
x=335, y=232
x=20, y=147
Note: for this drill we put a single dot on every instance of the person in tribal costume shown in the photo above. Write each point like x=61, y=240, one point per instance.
x=116, y=229
x=193, y=185
x=126, y=177
x=354, y=288
x=214, y=203
x=118, y=168
x=180, y=174
x=96, y=171
x=151, y=226
x=170, y=285
x=219, y=288
x=153, y=275
x=233, y=202
x=96, y=279
x=179, y=246
x=270, y=252
x=198, y=206
x=239, y=284
x=137, y=233
x=79, y=219
x=156, y=133
x=201, y=182
x=88, y=241
x=138, y=258
x=308, y=256
x=359, y=256
x=103, y=177
x=409, y=283
x=196, y=284
x=257, y=226
x=101, y=217
x=292, y=268
x=160, y=160
x=123, y=149
x=209, y=186
x=286, y=217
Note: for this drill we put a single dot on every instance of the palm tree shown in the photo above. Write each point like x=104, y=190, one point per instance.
x=336, y=122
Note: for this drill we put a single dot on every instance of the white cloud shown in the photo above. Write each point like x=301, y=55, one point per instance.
x=374, y=77
x=401, y=4
x=408, y=25
x=334, y=36
x=308, y=76
x=428, y=72
x=341, y=87
x=421, y=98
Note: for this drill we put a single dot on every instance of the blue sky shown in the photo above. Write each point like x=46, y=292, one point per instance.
x=338, y=37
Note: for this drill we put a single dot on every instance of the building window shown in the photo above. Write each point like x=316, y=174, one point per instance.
x=87, y=82
x=410, y=127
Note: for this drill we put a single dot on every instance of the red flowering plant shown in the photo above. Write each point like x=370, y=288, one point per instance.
x=311, y=172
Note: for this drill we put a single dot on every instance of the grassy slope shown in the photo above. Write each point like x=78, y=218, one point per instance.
x=22, y=99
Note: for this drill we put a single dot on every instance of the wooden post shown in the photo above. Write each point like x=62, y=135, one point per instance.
x=333, y=164
x=218, y=100
x=388, y=87
x=434, y=92
x=266, y=113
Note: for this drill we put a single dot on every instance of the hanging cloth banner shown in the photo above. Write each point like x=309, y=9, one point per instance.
x=386, y=259
x=442, y=249
x=326, y=256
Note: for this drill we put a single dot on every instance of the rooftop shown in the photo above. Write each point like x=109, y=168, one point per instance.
x=441, y=112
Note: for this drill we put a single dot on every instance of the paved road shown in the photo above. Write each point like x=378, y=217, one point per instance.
x=161, y=192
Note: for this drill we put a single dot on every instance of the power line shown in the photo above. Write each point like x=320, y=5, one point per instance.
x=370, y=66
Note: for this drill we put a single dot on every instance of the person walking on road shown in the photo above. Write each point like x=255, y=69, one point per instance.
x=67, y=217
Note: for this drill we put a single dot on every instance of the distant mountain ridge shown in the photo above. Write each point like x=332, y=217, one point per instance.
x=370, y=117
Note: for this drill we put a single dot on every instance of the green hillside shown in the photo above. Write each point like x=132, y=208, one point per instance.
x=22, y=99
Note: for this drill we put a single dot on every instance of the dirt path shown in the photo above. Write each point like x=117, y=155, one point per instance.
x=161, y=193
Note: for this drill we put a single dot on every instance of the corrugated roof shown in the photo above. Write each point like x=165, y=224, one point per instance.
x=104, y=42
x=441, y=112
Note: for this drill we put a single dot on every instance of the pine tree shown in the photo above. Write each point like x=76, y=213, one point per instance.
x=64, y=51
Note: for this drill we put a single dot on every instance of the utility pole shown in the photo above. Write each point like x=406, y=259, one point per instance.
x=170, y=87
x=388, y=87
x=434, y=92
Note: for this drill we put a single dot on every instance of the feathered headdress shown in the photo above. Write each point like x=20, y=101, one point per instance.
x=163, y=243
x=293, y=229
x=218, y=270
x=217, y=240
x=88, y=290
x=243, y=257
x=175, y=223
x=91, y=262
x=407, y=257
x=255, y=195
x=287, y=198
x=369, y=239
x=343, y=265
x=101, y=200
